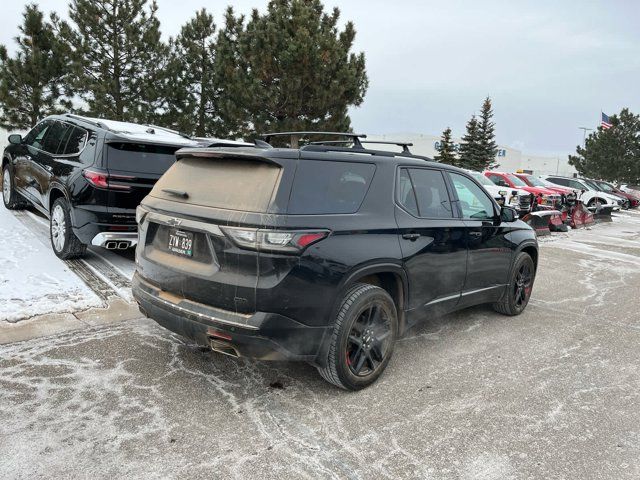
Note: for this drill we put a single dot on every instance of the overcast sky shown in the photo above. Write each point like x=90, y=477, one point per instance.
x=549, y=66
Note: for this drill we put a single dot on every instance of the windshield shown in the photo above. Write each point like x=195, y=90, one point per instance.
x=591, y=184
x=482, y=179
x=516, y=181
x=605, y=186
x=535, y=182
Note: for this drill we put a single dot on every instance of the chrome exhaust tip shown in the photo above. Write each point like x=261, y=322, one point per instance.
x=111, y=245
x=123, y=245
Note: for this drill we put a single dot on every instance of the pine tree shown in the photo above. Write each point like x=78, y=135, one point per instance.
x=612, y=154
x=32, y=82
x=119, y=58
x=486, y=134
x=471, y=154
x=193, y=90
x=446, y=151
x=290, y=69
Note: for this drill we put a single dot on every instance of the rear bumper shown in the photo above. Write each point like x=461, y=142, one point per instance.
x=261, y=335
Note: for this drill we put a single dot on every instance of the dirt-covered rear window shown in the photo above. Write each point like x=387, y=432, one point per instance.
x=231, y=184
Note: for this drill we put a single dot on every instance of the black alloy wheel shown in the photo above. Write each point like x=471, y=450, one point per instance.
x=363, y=338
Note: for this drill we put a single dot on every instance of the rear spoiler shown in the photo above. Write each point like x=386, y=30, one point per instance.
x=233, y=153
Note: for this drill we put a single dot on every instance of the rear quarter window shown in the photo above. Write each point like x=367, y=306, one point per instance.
x=329, y=187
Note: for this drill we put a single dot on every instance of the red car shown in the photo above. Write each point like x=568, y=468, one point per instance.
x=536, y=182
x=544, y=195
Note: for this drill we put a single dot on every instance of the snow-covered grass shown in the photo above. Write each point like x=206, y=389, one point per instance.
x=33, y=281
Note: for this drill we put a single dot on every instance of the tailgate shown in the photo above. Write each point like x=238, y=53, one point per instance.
x=133, y=169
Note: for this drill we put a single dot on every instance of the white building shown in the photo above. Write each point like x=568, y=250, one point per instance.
x=510, y=159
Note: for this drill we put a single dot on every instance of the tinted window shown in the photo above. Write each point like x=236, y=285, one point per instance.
x=74, y=141
x=559, y=181
x=35, y=137
x=406, y=196
x=54, y=136
x=577, y=185
x=474, y=202
x=431, y=193
x=329, y=187
x=140, y=157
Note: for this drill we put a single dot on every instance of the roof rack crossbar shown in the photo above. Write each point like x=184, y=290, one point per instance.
x=405, y=145
x=295, y=136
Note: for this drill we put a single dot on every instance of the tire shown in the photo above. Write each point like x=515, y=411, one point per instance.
x=64, y=242
x=518, y=292
x=12, y=199
x=595, y=202
x=363, y=338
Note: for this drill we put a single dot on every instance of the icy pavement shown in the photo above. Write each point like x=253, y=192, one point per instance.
x=552, y=393
x=33, y=281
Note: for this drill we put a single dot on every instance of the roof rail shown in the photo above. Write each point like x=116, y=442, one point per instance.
x=405, y=145
x=295, y=136
x=182, y=134
x=85, y=119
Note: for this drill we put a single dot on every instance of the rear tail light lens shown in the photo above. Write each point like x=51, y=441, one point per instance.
x=292, y=241
x=100, y=179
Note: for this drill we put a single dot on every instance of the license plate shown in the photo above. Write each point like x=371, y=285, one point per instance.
x=180, y=242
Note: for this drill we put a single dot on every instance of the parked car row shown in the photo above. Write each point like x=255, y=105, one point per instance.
x=325, y=253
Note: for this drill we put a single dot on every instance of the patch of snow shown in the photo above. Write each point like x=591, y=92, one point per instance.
x=33, y=281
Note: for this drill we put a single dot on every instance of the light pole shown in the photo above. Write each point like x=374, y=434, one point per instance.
x=584, y=133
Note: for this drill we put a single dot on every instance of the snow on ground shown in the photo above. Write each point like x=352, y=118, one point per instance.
x=33, y=281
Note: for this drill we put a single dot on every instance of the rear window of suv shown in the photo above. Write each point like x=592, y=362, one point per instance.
x=140, y=157
x=329, y=187
x=227, y=183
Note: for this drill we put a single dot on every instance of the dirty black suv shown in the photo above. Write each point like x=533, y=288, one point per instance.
x=325, y=253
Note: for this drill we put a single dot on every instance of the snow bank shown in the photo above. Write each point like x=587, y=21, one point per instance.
x=33, y=281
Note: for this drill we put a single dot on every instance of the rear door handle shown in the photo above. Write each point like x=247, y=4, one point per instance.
x=411, y=236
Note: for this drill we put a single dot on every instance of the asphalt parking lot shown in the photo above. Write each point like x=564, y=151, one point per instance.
x=553, y=393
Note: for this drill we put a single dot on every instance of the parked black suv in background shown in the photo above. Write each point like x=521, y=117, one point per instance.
x=324, y=254
x=88, y=176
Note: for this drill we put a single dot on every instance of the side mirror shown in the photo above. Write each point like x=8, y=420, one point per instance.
x=15, y=139
x=508, y=214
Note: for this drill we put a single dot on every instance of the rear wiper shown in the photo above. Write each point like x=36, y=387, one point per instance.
x=177, y=193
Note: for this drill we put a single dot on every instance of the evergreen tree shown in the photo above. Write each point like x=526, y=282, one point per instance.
x=612, y=154
x=193, y=91
x=119, y=58
x=488, y=146
x=446, y=150
x=471, y=153
x=289, y=69
x=32, y=82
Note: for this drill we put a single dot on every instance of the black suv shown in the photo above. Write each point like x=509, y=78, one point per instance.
x=324, y=253
x=88, y=176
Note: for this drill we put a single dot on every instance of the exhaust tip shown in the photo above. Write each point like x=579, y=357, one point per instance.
x=123, y=245
x=111, y=245
x=222, y=347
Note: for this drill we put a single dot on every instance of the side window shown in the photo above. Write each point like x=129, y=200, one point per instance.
x=431, y=193
x=405, y=195
x=577, y=185
x=35, y=137
x=498, y=180
x=474, y=202
x=54, y=136
x=73, y=141
x=559, y=181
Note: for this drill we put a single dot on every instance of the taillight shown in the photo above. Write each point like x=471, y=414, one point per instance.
x=104, y=180
x=292, y=241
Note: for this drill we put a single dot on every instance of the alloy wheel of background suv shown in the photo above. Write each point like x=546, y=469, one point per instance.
x=64, y=242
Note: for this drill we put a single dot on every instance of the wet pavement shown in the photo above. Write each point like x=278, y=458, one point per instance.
x=553, y=393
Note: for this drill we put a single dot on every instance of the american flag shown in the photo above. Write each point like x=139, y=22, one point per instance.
x=604, y=121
